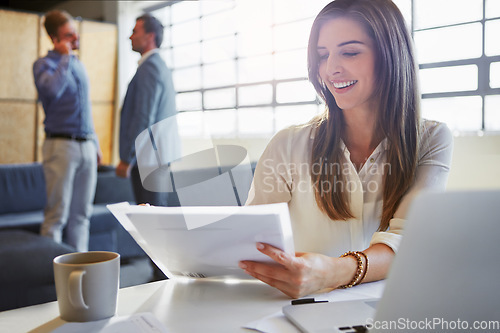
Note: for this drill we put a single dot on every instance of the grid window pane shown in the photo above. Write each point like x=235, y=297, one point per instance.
x=221, y=123
x=255, y=42
x=217, y=25
x=286, y=10
x=294, y=115
x=218, y=49
x=210, y=7
x=255, y=69
x=492, y=8
x=190, y=124
x=446, y=79
x=255, y=121
x=495, y=75
x=296, y=91
x=187, y=79
x=189, y=101
x=185, y=33
x=291, y=64
x=429, y=14
x=291, y=36
x=405, y=9
x=250, y=17
x=163, y=15
x=451, y=43
x=186, y=55
x=229, y=44
x=492, y=113
x=459, y=113
x=185, y=10
x=220, y=98
x=219, y=74
x=255, y=95
x=492, y=39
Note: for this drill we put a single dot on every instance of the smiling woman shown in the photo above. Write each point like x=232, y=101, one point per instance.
x=366, y=156
x=346, y=61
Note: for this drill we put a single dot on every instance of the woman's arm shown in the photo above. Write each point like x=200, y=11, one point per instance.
x=306, y=273
x=436, y=148
x=310, y=272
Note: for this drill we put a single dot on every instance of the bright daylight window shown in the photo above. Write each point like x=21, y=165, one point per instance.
x=240, y=66
x=458, y=53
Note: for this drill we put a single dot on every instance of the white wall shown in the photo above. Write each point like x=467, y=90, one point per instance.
x=476, y=163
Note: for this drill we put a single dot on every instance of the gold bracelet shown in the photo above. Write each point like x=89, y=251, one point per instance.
x=360, y=271
x=365, y=269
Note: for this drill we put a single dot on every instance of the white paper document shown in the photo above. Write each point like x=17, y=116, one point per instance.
x=206, y=241
x=137, y=323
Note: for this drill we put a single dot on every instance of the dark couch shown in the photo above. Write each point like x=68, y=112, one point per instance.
x=26, y=275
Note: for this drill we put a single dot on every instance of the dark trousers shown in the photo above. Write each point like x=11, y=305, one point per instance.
x=153, y=198
x=144, y=196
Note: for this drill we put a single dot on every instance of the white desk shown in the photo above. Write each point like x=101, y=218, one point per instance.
x=182, y=306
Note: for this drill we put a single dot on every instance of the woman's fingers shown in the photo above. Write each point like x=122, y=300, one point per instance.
x=295, y=275
x=276, y=254
x=278, y=271
x=274, y=275
x=285, y=275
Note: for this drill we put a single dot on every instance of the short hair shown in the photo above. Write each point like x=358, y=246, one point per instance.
x=54, y=19
x=152, y=24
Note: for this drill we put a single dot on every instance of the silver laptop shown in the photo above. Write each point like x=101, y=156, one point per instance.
x=444, y=277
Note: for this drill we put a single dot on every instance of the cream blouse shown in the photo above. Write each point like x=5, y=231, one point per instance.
x=283, y=175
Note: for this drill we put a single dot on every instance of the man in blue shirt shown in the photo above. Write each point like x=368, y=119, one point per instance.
x=150, y=98
x=70, y=150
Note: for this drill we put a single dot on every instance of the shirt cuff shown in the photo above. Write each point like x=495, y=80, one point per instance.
x=392, y=237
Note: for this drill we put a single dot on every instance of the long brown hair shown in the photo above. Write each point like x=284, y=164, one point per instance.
x=399, y=106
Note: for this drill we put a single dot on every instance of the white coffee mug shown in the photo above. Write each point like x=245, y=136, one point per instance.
x=87, y=285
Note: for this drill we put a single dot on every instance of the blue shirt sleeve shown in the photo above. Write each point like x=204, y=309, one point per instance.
x=51, y=79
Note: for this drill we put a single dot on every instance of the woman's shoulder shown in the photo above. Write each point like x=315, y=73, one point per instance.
x=432, y=130
x=436, y=142
x=289, y=141
x=293, y=134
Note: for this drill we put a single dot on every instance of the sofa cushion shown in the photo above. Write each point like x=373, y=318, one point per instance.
x=103, y=228
x=111, y=188
x=22, y=220
x=26, y=271
x=23, y=188
x=23, y=253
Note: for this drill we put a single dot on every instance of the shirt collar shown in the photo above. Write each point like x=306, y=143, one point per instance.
x=383, y=145
x=146, y=55
x=54, y=54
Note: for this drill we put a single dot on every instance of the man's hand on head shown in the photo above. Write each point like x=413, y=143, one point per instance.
x=62, y=46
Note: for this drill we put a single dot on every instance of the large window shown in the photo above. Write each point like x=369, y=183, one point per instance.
x=459, y=55
x=240, y=66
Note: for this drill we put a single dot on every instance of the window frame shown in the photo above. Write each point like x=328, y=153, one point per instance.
x=483, y=64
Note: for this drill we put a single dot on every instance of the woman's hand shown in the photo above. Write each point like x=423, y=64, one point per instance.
x=297, y=275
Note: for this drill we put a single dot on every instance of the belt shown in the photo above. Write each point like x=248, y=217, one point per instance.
x=67, y=137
